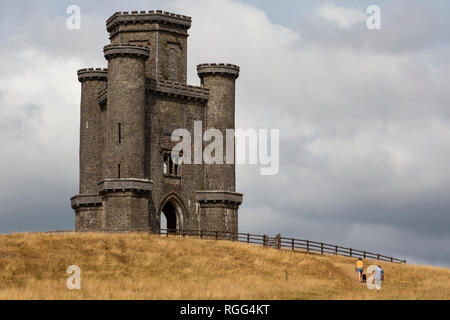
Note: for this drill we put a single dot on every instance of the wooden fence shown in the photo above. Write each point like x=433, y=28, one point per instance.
x=279, y=242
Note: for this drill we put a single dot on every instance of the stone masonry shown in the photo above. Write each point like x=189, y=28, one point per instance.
x=128, y=114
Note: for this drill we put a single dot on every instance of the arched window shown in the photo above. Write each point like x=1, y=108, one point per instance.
x=172, y=64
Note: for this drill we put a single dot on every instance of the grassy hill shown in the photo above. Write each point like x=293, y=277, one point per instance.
x=142, y=266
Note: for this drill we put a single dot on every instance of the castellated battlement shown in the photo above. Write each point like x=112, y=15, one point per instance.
x=177, y=90
x=92, y=74
x=122, y=185
x=135, y=17
x=218, y=68
x=166, y=88
x=113, y=51
x=128, y=114
x=219, y=196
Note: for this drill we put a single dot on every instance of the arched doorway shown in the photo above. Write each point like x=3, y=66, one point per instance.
x=172, y=213
x=168, y=217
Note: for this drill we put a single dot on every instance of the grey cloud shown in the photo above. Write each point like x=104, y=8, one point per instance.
x=406, y=26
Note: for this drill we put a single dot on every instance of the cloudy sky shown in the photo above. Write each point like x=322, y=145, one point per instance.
x=364, y=116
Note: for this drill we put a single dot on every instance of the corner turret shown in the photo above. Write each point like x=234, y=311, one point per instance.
x=87, y=204
x=220, y=179
x=125, y=166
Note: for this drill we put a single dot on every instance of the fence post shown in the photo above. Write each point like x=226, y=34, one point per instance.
x=351, y=252
x=248, y=237
x=378, y=257
x=392, y=259
x=217, y=235
x=278, y=241
x=201, y=234
x=336, y=249
x=364, y=254
x=264, y=240
x=293, y=244
x=321, y=248
x=307, y=245
x=233, y=235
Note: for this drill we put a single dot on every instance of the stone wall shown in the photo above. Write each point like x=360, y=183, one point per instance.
x=168, y=114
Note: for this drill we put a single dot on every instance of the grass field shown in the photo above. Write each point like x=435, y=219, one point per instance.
x=142, y=266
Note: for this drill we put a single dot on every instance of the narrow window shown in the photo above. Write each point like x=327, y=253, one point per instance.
x=119, y=129
x=166, y=163
x=118, y=171
x=172, y=64
x=170, y=165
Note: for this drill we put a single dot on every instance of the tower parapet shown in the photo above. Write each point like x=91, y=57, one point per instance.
x=100, y=74
x=224, y=69
x=146, y=17
x=177, y=90
x=115, y=51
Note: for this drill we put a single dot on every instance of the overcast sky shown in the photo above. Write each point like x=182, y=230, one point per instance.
x=364, y=116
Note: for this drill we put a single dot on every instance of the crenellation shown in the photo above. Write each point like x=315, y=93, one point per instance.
x=112, y=51
x=149, y=17
x=85, y=74
x=177, y=89
x=218, y=68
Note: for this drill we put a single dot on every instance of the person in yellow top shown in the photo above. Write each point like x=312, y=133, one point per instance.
x=359, y=268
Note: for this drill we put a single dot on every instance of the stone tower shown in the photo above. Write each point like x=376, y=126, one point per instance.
x=128, y=113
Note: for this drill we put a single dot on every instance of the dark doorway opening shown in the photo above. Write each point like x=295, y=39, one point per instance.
x=169, y=218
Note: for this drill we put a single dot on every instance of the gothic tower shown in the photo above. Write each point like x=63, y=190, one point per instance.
x=129, y=111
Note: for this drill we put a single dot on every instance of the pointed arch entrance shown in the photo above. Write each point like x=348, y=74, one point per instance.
x=172, y=213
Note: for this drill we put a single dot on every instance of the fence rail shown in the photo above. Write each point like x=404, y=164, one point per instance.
x=279, y=242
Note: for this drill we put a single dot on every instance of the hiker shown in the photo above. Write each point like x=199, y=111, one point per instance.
x=379, y=278
x=359, y=268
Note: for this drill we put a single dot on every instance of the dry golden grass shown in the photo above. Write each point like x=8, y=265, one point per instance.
x=142, y=266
